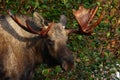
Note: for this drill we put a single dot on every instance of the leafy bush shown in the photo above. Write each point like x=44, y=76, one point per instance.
x=96, y=56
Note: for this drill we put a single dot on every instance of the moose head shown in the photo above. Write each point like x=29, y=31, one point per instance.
x=54, y=35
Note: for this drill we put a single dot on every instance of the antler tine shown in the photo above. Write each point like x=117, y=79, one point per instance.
x=95, y=24
x=92, y=13
x=43, y=32
x=17, y=21
x=30, y=28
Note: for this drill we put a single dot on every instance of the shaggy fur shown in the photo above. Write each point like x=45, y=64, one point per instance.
x=20, y=51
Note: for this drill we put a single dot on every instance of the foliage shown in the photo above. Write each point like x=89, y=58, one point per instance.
x=96, y=56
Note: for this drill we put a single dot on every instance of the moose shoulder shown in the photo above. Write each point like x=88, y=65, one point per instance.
x=26, y=42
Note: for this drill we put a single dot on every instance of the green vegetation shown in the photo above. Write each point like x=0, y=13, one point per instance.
x=96, y=56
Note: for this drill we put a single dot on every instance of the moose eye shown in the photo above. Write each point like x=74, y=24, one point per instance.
x=50, y=42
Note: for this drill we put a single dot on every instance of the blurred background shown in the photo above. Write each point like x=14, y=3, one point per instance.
x=97, y=57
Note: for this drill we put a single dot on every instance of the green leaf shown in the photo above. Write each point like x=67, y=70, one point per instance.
x=98, y=3
x=47, y=79
x=36, y=4
x=44, y=6
x=7, y=1
x=108, y=34
x=58, y=69
x=79, y=37
x=45, y=71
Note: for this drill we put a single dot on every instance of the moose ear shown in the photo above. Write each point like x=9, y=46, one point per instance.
x=38, y=19
x=63, y=20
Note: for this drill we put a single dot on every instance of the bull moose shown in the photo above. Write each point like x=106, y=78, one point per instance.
x=28, y=41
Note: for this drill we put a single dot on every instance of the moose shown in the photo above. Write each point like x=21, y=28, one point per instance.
x=28, y=41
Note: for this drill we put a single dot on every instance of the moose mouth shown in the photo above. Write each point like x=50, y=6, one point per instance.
x=66, y=67
x=66, y=62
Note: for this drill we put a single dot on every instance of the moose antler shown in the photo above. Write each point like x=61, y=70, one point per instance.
x=43, y=32
x=84, y=17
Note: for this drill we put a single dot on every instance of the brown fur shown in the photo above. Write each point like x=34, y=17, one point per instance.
x=20, y=51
